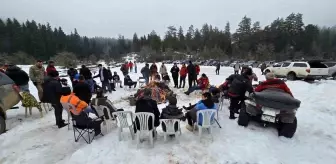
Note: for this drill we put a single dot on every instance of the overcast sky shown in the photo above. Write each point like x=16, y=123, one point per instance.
x=108, y=18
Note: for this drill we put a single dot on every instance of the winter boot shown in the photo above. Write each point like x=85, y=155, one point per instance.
x=232, y=115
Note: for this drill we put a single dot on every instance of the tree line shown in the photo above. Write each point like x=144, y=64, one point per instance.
x=285, y=38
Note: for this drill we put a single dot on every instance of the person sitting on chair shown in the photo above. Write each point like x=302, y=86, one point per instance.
x=102, y=100
x=82, y=90
x=166, y=78
x=147, y=104
x=171, y=112
x=205, y=103
x=202, y=83
x=116, y=79
x=80, y=113
x=129, y=82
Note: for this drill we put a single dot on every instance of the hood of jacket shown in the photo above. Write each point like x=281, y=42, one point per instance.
x=48, y=79
x=172, y=110
x=208, y=103
x=13, y=69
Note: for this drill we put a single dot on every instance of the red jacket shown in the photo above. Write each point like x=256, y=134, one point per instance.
x=198, y=69
x=130, y=64
x=183, y=71
x=203, y=82
x=273, y=83
x=50, y=68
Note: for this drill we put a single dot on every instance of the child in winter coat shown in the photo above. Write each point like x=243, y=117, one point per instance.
x=171, y=112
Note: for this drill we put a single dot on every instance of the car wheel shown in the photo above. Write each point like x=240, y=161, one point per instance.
x=243, y=118
x=334, y=76
x=2, y=125
x=288, y=129
x=291, y=76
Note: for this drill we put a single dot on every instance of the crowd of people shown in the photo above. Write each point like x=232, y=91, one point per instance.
x=52, y=89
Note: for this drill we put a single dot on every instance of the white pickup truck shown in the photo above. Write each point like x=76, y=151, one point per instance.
x=310, y=70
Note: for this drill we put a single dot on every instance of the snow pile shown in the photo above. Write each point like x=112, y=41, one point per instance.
x=35, y=140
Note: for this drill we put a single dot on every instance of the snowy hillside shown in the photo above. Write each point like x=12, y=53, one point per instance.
x=37, y=140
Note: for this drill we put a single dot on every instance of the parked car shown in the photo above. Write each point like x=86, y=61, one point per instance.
x=332, y=69
x=300, y=70
x=9, y=97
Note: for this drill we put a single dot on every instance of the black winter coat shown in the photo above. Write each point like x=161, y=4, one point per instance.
x=175, y=71
x=52, y=90
x=116, y=77
x=149, y=105
x=128, y=81
x=171, y=112
x=191, y=71
x=109, y=74
x=145, y=71
x=239, y=84
x=19, y=76
x=105, y=75
x=82, y=91
x=86, y=73
x=218, y=66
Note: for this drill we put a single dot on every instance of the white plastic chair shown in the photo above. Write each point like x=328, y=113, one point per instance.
x=141, y=81
x=46, y=107
x=170, y=127
x=122, y=121
x=217, y=107
x=68, y=107
x=206, y=120
x=100, y=111
x=143, y=118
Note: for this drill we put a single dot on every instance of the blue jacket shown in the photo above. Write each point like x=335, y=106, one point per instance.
x=201, y=106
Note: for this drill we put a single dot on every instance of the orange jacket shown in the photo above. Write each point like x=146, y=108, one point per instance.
x=183, y=71
x=76, y=102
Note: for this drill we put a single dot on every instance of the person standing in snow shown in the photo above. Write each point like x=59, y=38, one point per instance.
x=135, y=67
x=51, y=66
x=198, y=70
x=72, y=73
x=163, y=70
x=191, y=73
x=145, y=72
x=52, y=92
x=153, y=71
x=36, y=75
x=124, y=69
x=217, y=68
x=175, y=72
x=237, y=85
x=104, y=78
x=236, y=68
x=82, y=90
x=88, y=77
x=130, y=65
x=183, y=75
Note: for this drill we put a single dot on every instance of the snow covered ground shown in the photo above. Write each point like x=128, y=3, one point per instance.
x=37, y=140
